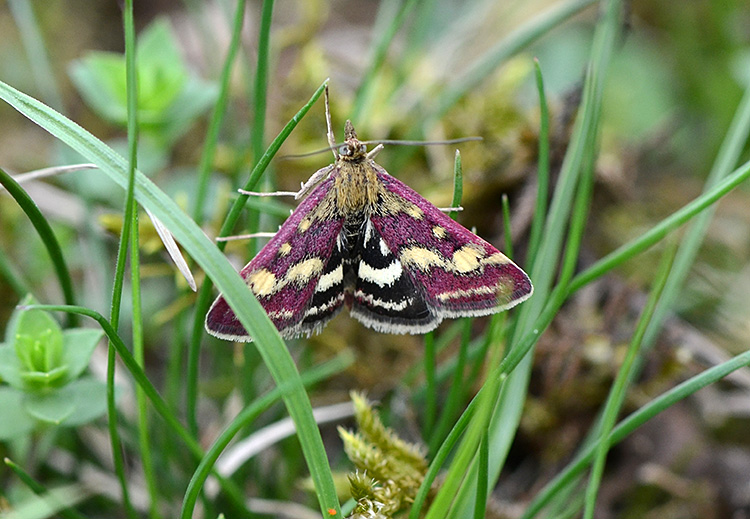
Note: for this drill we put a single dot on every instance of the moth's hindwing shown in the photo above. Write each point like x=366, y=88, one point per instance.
x=456, y=272
x=297, y=277
x=385, y=297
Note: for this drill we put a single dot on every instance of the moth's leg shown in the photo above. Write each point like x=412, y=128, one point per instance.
x=373, y=152
x=247, y=236
x=272, y=193
x=305, y=188
x=331, y=137
x=451, y=209
x=313, y=181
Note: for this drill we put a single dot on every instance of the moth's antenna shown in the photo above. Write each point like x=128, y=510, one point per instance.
x=396, y=142
x=331, y=138
x=422, y=143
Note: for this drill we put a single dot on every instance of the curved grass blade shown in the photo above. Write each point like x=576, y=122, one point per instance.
x=245, y=418
x=626, y=427
x=66, y=509
x=456, y=497
x=217, y=267
x=217, y=116
x=619, y=387
x=45, y=232
x=204, y=294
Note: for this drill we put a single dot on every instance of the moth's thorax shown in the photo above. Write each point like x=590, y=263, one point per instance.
x=356, y=184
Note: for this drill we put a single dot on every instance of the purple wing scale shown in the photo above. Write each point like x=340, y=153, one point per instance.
x=458, y=273
x=286, y=274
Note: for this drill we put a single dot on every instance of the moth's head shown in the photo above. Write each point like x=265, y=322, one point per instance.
x=351, y=149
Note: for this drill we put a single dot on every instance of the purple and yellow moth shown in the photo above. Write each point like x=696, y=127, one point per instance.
x=364, y=239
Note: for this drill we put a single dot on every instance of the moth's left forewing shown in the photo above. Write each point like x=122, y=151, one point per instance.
x=459, y=273
x=297, y=276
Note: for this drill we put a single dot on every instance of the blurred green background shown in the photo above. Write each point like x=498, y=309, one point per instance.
x=675, y=82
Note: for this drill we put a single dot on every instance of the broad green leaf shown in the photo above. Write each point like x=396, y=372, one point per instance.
x=78, y=346
x=10, y=366
x=89, y=397
x=15, y=420
x=169, y=97
x=51, y=407
x=100, y=79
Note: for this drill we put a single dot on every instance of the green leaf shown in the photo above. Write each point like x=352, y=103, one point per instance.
x=40, y=355
x=161, y=71
x=34, y=323
x=15, y=422
x=52, y=407
x=10, y=330
x=78, y=346
x=100, y=79
x=89, y=397
x=41, y=352
x=168, y=96
x=44, y=379
x=10, y=366
x=38, y=346
x=196, y=97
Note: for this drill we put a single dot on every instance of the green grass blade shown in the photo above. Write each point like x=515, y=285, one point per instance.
x=204, y=173
x=506, y=226
x=122, y=252
x=66, y=511
x=131, y=81
x=619, y=256
x=257, y=136
x=385, y=32
x=619, y=387
x=579, y=214
x=512, y=44
x=431, y=387
x=689, y=243
x=204, y=293
x=441, y=456
x=542, y=190
x=729, y=153
x=217, y=116
x=456, y=487
x=458, y=184
x=436, y=435
x=244, y=419
x=512, y=393
x=260, y=92
x=632, y=422
x=480, y=506
x=455, y=392
x=249, y=312
x=44, y=229
x=661, y=230
x=33, y=43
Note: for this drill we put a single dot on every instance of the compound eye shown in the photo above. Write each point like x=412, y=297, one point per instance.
x=345, y=150
x=363, y=148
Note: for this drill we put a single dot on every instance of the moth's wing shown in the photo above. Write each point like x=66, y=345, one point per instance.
x=457, y=273
x=297, y=277
x=385, y=297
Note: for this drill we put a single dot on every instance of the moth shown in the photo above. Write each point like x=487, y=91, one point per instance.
x=363, y=239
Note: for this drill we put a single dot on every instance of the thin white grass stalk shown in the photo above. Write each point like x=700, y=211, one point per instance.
x=49, y=172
